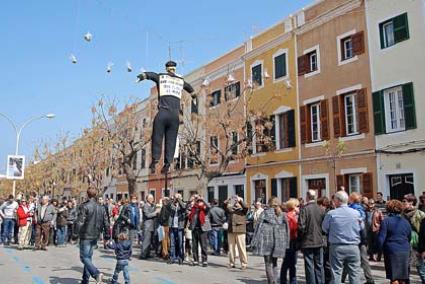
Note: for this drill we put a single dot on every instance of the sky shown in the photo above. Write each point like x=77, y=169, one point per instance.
x=37, y=38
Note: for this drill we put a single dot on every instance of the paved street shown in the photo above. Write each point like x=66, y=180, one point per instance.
x=62, y=266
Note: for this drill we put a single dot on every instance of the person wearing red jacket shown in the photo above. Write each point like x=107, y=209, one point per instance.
x=290, y=261
x=24, y=222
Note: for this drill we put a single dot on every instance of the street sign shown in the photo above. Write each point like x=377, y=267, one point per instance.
x=15, y=167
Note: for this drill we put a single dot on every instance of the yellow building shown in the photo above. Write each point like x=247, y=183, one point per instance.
x=270, y=67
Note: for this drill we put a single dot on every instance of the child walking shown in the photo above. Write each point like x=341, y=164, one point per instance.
x=123, y=253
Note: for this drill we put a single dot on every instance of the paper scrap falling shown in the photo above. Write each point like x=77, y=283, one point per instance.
x=88, y=37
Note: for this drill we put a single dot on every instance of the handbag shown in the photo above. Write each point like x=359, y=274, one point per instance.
x=161, y=233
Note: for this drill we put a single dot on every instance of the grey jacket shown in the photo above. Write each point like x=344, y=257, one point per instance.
x=49, y=215
x=271, y=236
x=310, y=226
x=217, y=217
x=181, y=214
x=149, y=217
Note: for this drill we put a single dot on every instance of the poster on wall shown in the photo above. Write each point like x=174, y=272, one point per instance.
x=15, y=167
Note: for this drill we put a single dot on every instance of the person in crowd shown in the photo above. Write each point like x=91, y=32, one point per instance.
x=53, y=228
x=272, y=238
x=61, y=225
x=134, y=225
x=257, y=212
x=236, y=235
x=70, y=219
x=123, y=220
x=8, y=214
x=358, y=203
x=326, y=205
x=421, y=243
x=199, y=225
x=343, y=227
x=377, y=217
x=164, y=219
x=380, y=202
x=45, y=220
x=92, y=220
x=394, y=238
x=33, y=205
x=150, y=213
x=188, y=231
x=421, y=205
x=176, y=222
x=123, y=252
x=290, y=261
x=311, y=239
x=24, y=215
x=217, y=218
x=415, y=217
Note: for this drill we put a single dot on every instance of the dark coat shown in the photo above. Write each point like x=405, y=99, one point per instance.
x=123, y=249
x=237, y=218
x=310, y=226
x=271, y=236
x=91, y=221
x=394, y=235
x=181, y=214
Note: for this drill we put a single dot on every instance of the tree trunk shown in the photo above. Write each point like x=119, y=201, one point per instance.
x=131, y=186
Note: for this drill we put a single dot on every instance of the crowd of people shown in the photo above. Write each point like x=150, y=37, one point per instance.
x=337, y=237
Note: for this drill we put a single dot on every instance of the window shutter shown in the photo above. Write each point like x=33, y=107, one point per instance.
x=219, y=97
x=381, y=35
x=291, y=128
x=293, y=190
x=401, y=28
x=336, y=117
x=409, y=106
x=368, y=185
x=379, y=112
x=303, y=124
x=362, y=111
x=302, y=64
x=340, y=181
x=274, y=187
x=324, y=123
x=358, y=43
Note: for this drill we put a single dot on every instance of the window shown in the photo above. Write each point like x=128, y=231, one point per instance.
x=257, y=74
x=240, y=190
x=143, y=159
x=280, y=66
x=215, y=98
x=347, y=48
x=394, y=30
x=394, y=109
x=354, y=183
x=194, y=106
x=315, y=122
x=210, y=192
x=232, y=91
x=260, y=191
x=286, y=131
x=265, y=138
x=351, y=124
x=235, y=140
x=313, y=61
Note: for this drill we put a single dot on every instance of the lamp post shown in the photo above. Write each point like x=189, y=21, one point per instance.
x=18, y=131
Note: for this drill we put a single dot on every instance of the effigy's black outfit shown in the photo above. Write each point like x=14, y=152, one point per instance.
x=166, y=123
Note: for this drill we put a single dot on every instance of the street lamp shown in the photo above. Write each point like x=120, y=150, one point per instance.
x=18, y=131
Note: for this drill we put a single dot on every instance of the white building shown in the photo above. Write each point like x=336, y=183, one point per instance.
x=396, y=38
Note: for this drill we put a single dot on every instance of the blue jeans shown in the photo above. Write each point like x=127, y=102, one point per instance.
x=345, y=256
x=215, y=236
x=420, y=266
x=61, y=235
x=122, y=265
x=176, y=244
x=8, y=228
x=314, y=269
x=289, y=263
x=86, y=253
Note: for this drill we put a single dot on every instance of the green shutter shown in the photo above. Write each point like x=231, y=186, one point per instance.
x=401, y=28
x=379, y=112
x=409, y=106
x=291, y=128
x=274, y=187
x=293, y=187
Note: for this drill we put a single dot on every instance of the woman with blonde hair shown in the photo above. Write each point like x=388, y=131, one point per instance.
x=271, y=237
x=290, y=261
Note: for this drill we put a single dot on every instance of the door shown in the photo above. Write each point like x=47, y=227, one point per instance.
x=210, y=193
x=222, y=193
x=260, y=191
x=319, y=185
x=400, y=185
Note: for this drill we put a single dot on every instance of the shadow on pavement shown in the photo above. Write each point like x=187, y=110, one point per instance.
x=59, y=280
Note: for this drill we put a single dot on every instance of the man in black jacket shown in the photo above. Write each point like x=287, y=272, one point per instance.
x=166, y=123
x=311, y=239
x=92, y=220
